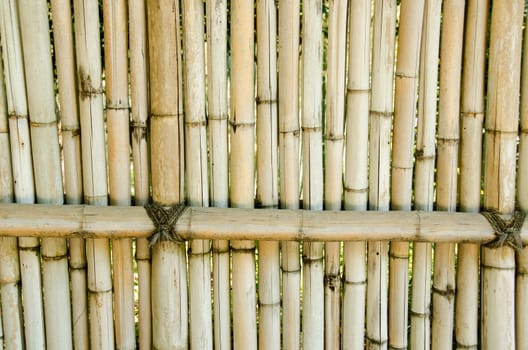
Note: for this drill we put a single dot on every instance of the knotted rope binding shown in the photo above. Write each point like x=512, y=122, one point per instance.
x=164, y=221
x=506, y=231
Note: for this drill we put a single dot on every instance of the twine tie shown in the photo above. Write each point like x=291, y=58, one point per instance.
x=506, y=231
x=164, y=221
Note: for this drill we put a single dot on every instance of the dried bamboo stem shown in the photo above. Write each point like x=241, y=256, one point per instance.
x=267, y=172
x=169, y=273
x=139, y=107
x=498, y=265
x=88, y=48
x=217, y=119
x=472, y=111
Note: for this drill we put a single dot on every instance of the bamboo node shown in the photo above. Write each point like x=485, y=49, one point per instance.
x=401, y=75
x=354, y=91
x=524, y=131
x=349, y=189
x=376, y=341
x=118, y=106
x=332, y=281
x=381, y=114
x=266, y=101
x=164, y=221
x=493, y=131
x=472, y=115
x=448, y=293
x=42, y=124
x=506, y=231
x=14, y=115
x=463, y=346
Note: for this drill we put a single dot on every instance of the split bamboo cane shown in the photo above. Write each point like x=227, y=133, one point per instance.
x=267, y=172
x=218, y=166
x=472, y=113
x=169, y=272
x=201, y=328
x=379, y=152
x=88, y=48
x=22, y=173
x=71, y=153
x=334, y=138
x=313, y=270
x=356, y=170
x=139, y=109
x=117, y=114
x=34, y=23
x=498, y=265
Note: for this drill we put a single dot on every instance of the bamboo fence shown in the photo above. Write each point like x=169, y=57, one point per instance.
x=304, y=137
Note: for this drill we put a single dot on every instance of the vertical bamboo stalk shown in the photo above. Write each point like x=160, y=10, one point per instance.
x=379, y=150
x=137, y=30
x=425, y=166
x=242, y=169
x=23, y=173
x=88, y=48
x=498, y=265
x=267, y=172
x=46, y=157
x=218, y=115
x=313, y=272
x=356, y=170
x=447, y=164
x=71, y=152
x=472, y=115
x=201, y=329
x=9, y=262
x=116, y=73
x=334, y=138
x=169, y=272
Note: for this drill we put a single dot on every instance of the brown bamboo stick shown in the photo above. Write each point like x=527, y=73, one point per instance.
x=9, y=263
x=22, y=174
x=267, y=171
x=137, y=30
x=217, y=120
x=201, y=328
x=46, y=159
x=71, y=153
x=313, y=270
x=356, y=170
x=334, y=138
x=117, y=114
x=472, y=112
x=169, y=286
x=88, y=49
x=425, y=167
x=498, y=265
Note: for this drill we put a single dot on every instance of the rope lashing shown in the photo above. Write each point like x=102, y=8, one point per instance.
x=506, y=231
x=164, y=220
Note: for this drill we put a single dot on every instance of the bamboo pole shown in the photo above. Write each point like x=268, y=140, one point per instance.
x=88, y=49
x=22, y=174
x=356, y=170
x=379, y=150
x=137, y=30
x=425, y=167
x=334, y=138
x=498, y=265
x=406, y=83
x=472, y=112
x=13, y=337
x=267, y=171
x=169, y=284
x=217, y=119
x=46, y=158
x=201, y=328
x=313, y=271
x=116, y=73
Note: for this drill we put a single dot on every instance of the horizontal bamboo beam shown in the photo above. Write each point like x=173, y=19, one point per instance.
x=38, y=220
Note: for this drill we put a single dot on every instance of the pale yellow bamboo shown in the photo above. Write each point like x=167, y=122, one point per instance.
x=267, y=171
x=34, y=23
x=169, y=272
x=216, y=11
x=313, y=271
x=424, y=178
x=472, y=112
x=379, y=152
x=498, y=265
x=356, y=170
x=88, y=49
x=201, y=328
x=117, y=115
x=22, y=173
